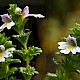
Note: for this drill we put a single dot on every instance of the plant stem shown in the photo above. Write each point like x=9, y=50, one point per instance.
x=25, y=46
x=27, y=62
x=6, y=68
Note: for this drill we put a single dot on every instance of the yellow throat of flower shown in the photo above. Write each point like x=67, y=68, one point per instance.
x=1, y=55
x=5, y=24
x=23, y=17
x=69, y=47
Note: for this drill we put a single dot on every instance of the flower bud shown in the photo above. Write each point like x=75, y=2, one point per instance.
x=2, y=48
x=18, y=10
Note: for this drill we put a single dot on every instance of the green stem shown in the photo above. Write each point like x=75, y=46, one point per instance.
x=27, y=62
x=25, y=45
x=27, y=78
x=6, y=68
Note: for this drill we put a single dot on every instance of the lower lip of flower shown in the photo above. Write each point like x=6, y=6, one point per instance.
x=69, y=47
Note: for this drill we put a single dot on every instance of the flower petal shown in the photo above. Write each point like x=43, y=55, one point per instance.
x=7, y=54
x=77, y=49
x=2, y=59
x=36, y=15
x=10, y=25
x=65, y=51
x=63, y=43
x=10, y=49
x=6, y=18
x=74, y=50
x=25, y=11
x=62, y=47
x=3, y=26
x=71, y=40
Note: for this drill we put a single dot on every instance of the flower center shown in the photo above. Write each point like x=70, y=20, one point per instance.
x=1, y=55
x=5, y=24
x=69, y=47
x=23, y=17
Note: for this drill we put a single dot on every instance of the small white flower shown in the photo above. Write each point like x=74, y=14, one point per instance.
x=5, y=53
x=25, y=13
x=7, y=22
x=69, y=46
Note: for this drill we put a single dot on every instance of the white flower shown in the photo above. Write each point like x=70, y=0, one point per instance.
x=5, y=53
x=69, y=46
x=7, y=22
x=25, y=13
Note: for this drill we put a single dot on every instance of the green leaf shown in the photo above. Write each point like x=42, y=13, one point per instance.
x=23, y=38
x=12, y=8
x=75, y=31
x=59, y=75
x=12, y=78
x=15, y=61
x=11, y=71
x=28, y=72
x=2, y=74
x=34, y=51
x=51, y=75
x=3, y=39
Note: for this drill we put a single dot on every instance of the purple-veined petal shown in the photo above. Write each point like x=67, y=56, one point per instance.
x=6, y=18
x=25, y=11
x=71, y=40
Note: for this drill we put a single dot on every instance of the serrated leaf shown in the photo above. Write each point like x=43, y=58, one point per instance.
x=51, y=75
x=3, y=39
x=23, y=38
x=34, y=51
x=11, y=71
x=12, y=8
x=30, y=71
x=15, y=61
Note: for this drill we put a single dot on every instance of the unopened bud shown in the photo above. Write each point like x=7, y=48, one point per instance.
x=2, y=48
x=18, y=10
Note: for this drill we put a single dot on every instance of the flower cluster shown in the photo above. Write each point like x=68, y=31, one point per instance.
x=8, y=22
x=16, y=19
x=25, y=13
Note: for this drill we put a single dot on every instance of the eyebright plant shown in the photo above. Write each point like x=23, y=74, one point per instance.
x=15, y=20
x=70, y=50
